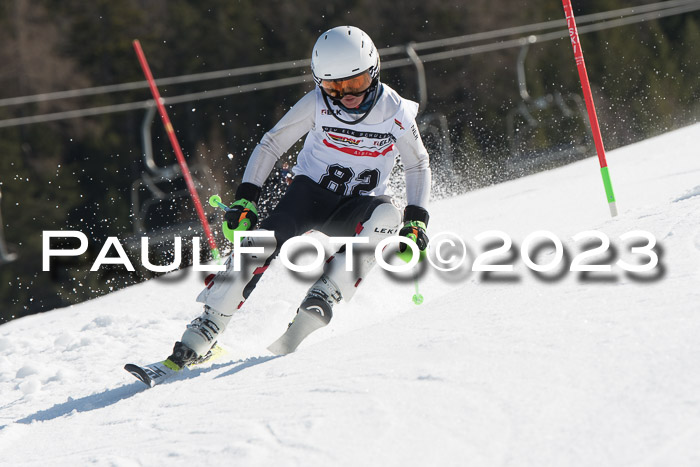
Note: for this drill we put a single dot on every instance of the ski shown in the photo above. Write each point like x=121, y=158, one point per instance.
x=152, y=374
x=158, y=372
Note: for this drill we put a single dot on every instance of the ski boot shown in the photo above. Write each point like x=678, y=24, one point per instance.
x=183, y=356
x=319, y=301
x=315, y=312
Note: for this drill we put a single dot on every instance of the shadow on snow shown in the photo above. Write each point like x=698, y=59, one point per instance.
x=112, y=396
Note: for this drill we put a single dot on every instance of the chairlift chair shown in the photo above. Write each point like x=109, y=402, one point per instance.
x=5, y=255
x=433, y=128
x=533, y=114
x=157, y=189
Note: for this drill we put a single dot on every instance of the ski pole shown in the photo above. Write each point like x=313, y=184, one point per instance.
x=406, y=256
x=590, y=107
x=417, y=297
x=215, y=201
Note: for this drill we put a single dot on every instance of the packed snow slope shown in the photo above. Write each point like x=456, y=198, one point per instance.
x=514, y=369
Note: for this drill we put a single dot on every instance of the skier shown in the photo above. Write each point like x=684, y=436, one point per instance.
x=356, y=126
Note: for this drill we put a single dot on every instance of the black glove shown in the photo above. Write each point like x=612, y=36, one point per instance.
x=415, y=222
x=243, y=213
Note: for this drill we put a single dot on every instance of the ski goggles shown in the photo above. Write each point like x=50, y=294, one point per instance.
x=355, y=86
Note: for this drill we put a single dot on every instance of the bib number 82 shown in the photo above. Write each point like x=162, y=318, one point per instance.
x=337, y=178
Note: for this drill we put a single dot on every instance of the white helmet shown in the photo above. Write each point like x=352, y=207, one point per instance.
x=344, y=52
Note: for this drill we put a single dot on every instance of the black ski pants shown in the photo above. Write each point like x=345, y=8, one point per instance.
x=307, y=205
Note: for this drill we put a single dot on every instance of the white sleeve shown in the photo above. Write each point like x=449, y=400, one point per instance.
x=416, y=165
x=298, y=121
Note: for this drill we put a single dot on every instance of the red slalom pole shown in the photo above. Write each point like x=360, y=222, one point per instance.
x=176, y=147
x=590, y=107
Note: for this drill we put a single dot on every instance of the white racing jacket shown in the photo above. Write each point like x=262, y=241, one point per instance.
x=349, y=158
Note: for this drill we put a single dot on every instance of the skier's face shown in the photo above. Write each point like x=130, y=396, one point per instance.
x=351, y=101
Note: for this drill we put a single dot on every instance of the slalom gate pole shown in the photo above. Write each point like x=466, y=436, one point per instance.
x=176, y=147
x=590, y=107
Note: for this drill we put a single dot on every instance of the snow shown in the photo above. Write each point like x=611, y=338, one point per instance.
x=563, y=368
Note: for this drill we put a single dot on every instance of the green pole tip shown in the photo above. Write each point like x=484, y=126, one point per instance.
x=417, y=299
x=214, y=201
